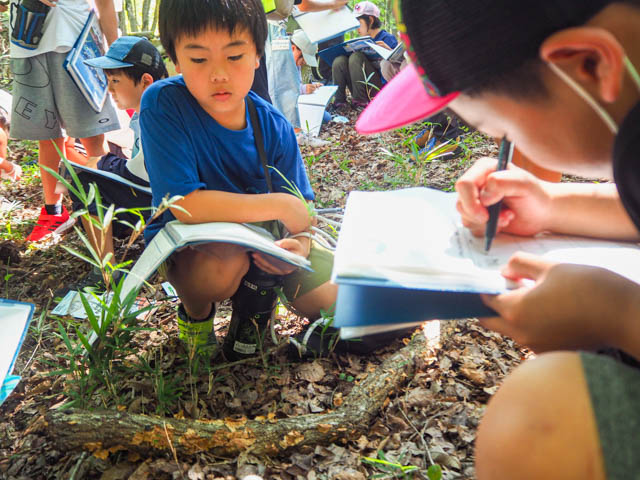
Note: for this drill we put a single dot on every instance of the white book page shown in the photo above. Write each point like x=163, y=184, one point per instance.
x=383, y=52
x=13, y=321
x=326, y=24
x=236, y=233
x=414, y=237
x=320, y=97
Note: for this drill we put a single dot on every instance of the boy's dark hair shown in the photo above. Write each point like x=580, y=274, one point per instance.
x=371, y=21
x=135, y=72
x=4, y=120
x=191, y=17
x=489, y=46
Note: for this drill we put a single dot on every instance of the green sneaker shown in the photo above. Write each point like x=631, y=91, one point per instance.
x=197, y=334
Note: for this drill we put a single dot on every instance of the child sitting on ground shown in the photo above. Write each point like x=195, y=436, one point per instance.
x=212, y=159
x=304, y=53
x=356, y=72
x=131, y=64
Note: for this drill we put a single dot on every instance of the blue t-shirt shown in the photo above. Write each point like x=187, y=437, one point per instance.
x=186, y=150
x=386, y=37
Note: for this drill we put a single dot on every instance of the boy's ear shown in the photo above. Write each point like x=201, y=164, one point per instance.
x=146, y=79
x=591, y=56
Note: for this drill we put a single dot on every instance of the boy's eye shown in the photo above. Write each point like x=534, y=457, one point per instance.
x=235, y=58
x=198, y=60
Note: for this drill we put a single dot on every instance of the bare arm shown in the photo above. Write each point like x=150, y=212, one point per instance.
x=108, y=19
x=216, y=206
x=592, y=210
x=319, y=5
x=531, y=205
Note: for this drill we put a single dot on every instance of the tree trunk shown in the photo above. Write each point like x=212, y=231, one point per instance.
x=130, y=7
x=146, y=7
x=110, y=431
x=155, y=16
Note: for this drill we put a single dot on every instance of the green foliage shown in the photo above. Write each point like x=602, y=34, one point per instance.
x=95, y=361
x=434, y=472
x=390, y=469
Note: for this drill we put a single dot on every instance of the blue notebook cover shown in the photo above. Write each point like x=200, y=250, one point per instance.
x=360, y=44
x=14, y=323
x=365, y=303
x=91, y=81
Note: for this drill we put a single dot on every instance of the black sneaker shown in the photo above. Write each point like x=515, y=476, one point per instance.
x=253, y=306
x=320, y=340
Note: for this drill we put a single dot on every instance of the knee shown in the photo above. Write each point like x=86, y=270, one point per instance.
x=339, y=63
x=211, y=263
x=357, y=59
x=540, y=417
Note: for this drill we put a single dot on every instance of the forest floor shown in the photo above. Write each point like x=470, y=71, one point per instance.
x=432, y=418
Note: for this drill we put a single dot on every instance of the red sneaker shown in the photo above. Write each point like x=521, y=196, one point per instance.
x=48, y=224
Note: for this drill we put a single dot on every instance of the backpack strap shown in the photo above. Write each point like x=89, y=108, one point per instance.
x=259, y=139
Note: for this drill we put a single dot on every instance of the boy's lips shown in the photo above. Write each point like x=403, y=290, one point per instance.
x=224, y=95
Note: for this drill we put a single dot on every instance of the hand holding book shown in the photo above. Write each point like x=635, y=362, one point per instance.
x=544, y=317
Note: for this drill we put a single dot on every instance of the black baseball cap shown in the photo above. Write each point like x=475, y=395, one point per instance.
x=128, y=52
x=458, y=45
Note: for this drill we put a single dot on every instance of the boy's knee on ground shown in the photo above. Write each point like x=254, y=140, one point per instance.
x=540, y=424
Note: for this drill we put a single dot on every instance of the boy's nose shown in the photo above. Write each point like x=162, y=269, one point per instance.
x=218, y=75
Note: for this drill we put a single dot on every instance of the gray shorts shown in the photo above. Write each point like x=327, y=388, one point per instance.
x=46, y=100
x=615, y=396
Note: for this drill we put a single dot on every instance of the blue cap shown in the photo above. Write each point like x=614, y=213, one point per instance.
x=127, y=52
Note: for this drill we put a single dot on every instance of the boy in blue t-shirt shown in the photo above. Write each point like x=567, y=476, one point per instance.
x=211, y=159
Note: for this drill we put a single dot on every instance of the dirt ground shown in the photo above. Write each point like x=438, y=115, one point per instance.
x=432, y=418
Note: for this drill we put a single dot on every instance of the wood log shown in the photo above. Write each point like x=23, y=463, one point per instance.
x=105, y=432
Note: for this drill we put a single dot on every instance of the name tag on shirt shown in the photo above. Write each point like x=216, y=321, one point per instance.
x=280, y=44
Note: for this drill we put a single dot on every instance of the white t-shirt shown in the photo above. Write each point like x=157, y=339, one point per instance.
x=61, y=29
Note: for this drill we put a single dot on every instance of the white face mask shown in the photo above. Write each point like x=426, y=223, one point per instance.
x=586, y=96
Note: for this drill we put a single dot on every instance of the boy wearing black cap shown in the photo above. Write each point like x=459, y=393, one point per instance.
x=559, y=79
x=131, y=64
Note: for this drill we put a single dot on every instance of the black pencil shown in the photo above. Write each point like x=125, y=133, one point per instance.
x=504, y=156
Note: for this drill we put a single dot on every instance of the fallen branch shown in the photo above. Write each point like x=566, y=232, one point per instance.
x=110, y=431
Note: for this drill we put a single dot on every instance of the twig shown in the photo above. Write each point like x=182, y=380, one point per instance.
x=72, y=475
x=173, y=450
x=250, y=360
x=420, y=434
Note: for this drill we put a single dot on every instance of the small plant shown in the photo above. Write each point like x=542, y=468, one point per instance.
x=294, y=190
x=390, y=469
x=94, y=361
x=371, y=87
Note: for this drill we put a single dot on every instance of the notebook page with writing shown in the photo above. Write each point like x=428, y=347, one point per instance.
x=414, y=238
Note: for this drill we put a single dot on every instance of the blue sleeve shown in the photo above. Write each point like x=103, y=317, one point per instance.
x=389, y=39
x=168, y=152
x=288, y=160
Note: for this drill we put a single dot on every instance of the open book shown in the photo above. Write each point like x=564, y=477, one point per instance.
x=365, y=45
x=403, y=257
x=326, y=24
x=311, y=108
x=14, y=323
x=91, y=81
x=175, y=235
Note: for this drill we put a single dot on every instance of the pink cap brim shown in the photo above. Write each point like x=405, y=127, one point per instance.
x=402, y=101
